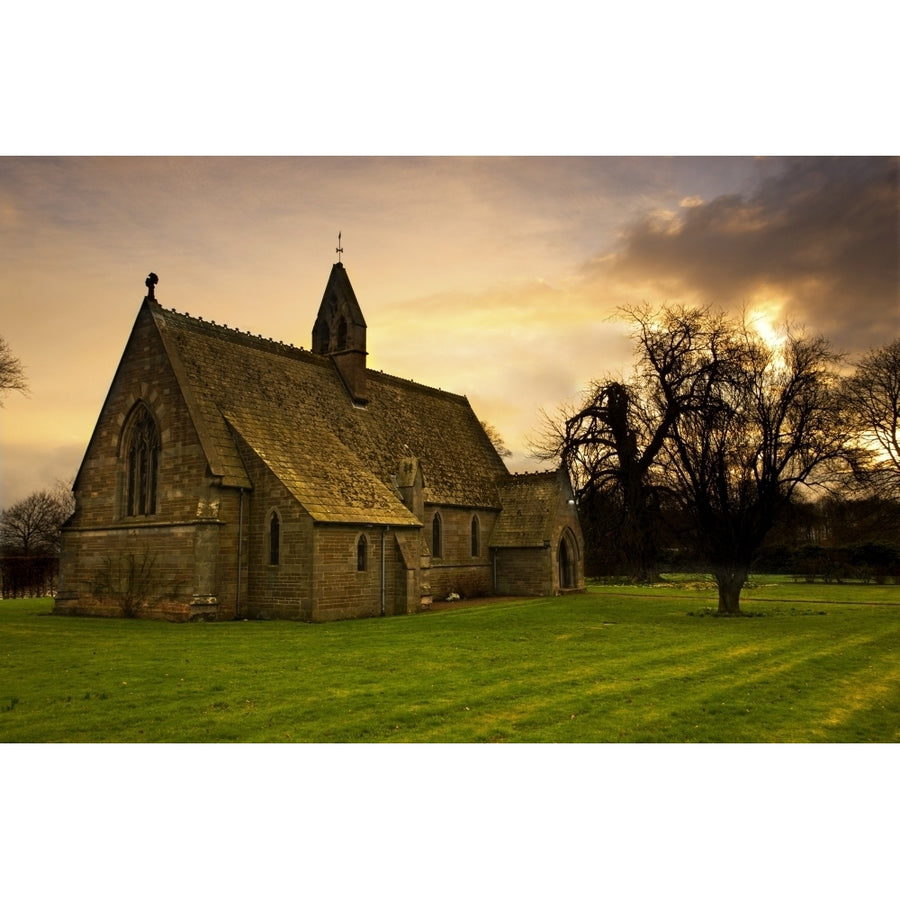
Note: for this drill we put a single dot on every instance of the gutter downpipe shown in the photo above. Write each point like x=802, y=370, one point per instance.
x=494, y=568
x=383, y=533
x=237, y=601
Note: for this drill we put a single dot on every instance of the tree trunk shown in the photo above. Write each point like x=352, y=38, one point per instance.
x=730, y=580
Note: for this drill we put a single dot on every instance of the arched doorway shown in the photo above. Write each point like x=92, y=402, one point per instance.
x=566, y=557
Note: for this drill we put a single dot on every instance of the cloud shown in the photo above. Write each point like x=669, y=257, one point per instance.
x=819, y=240
x=28, y=468
x=471, y=271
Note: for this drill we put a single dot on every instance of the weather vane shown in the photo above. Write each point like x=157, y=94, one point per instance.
x=339, y=249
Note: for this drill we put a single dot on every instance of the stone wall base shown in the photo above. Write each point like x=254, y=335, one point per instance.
x=197, y=609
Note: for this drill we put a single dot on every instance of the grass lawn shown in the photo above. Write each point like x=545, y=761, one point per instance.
x=810, y=663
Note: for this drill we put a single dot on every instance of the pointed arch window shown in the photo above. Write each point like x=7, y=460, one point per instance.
x=142, y=463
x=342, y=334
x=437, y=548
x=567, y=560
x=361, y=553
x=476, y=537
x=274, y=539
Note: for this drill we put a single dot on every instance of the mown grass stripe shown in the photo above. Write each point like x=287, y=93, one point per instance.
x=605, y=666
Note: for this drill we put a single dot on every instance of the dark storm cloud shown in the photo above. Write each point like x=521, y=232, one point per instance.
x=821, y=234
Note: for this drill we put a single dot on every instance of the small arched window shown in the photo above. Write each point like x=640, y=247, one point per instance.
x=342, y=334
x=361, y=554
x=274, y=539
x=142, y=461
x=436, y=536
x=476, y=537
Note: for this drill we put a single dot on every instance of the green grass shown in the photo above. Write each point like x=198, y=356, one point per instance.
x=809, y=663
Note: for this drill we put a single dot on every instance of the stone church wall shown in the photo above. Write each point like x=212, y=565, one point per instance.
x=141, y=572
x=464, y=580
x=456, y=570
x=184, y=491
x=225, y=554
x=524, y=571
x=341, y=590
x=281, y=590
x=169, y=564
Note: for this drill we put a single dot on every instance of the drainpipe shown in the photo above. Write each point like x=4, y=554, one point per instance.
x=383, y=533
x=237, y=600
x=494, y=567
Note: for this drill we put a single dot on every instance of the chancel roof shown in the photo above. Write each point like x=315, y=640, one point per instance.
x=336, y=458
x=530, y=503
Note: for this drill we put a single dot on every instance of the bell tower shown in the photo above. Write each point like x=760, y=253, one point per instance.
x=340, y=332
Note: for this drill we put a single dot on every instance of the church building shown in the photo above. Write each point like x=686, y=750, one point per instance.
x=231, y=476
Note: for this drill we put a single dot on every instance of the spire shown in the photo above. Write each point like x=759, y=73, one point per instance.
x=340, y=331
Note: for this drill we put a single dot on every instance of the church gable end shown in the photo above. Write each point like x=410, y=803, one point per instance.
x=146, y=537
x=537, y=539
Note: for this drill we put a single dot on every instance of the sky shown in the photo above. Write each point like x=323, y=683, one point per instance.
x=494, y=277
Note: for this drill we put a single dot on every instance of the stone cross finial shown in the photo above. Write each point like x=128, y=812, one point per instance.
x=151, y=282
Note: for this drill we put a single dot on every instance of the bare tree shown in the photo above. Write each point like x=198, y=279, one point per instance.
x=872, y=396
x=755, y=422
x=12, y=375
x=131, y=579
x=719, y=425
x=611, y=445
x=608, y=446
x=64, y=496
x=495, y=438
x=33, y=525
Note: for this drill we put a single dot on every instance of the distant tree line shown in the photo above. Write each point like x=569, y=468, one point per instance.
x=721, y=441
x=30, y=536
x=30, y=529
x=836, y=538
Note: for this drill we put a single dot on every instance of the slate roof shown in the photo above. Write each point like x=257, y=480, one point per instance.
x=292, y=409
x=529, y=509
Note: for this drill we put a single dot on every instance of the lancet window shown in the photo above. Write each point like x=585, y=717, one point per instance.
x=436, y=536
x=274, y=539
x=142, y=460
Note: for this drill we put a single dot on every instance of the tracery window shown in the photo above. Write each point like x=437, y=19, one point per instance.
x=361, y=554
x=142, y=460
x=436, y=536
x=274, y=539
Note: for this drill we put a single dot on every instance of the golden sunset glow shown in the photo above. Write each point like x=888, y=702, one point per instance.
x=497, y=278
x=766, y=318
